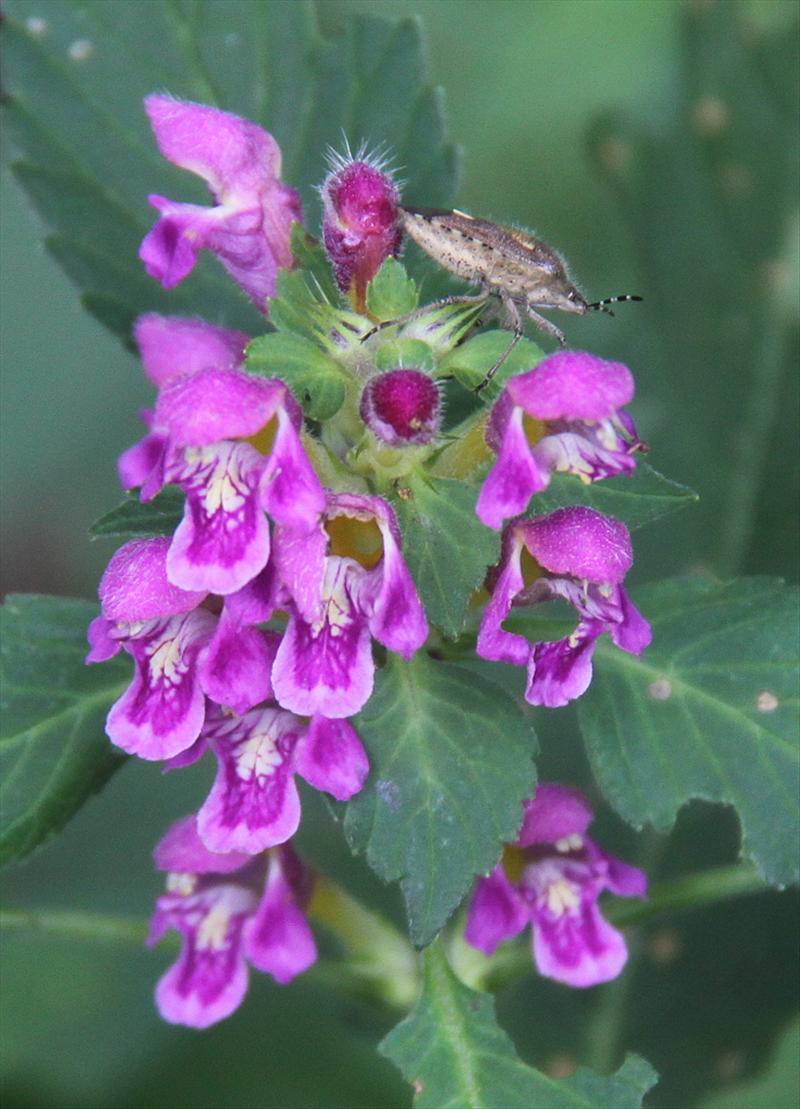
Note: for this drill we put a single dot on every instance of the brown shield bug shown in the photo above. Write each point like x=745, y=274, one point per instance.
x=517, y=269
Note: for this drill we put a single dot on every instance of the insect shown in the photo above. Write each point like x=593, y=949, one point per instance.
x=520, y=271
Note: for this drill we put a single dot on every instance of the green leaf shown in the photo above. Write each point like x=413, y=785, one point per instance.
x=638, y=499
x=709, y=711
x=409, y=354
x=450, y=756
x=297, y=308
x=455, y=1055
x=89, y=159
x=309, y=255
x=54, y=751
x=316, y=380
x=131, y=518
x=472, y=361
x=446, y=547
x=391, y=293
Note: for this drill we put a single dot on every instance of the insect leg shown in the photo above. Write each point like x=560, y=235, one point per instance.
x=512, y=315
x=409, y=317
x=546, y=326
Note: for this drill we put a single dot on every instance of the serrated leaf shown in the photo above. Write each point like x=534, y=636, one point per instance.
x=471, y=361
x=391, y=293
x=455, y=1055
x=446, y=547
x=131, y=518
x=90, y=160
x=316, y=380
x=709, y=711
x=638, y=499
x=55, y=753
x=450, y=757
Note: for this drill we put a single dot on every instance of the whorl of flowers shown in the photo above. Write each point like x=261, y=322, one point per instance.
x=252, y=627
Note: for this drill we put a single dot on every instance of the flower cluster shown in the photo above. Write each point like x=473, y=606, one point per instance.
x=252, y=623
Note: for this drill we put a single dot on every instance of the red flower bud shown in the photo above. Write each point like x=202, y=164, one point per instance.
x=402, y=407
x=360, y=224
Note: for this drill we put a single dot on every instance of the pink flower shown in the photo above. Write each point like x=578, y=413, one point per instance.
x=345, y=583
x=182, y=652
x=249, y=227
x=228, y=917
x=360, y=221
x=230, y=441
x=163, y=629
x=170, y=347
x=254, y=803
x=564, y=415
x=583, y=557
x=562, y=875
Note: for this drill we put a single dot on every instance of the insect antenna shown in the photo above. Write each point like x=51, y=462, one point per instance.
x=602, y=305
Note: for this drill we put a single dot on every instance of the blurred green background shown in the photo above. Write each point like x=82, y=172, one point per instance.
x=655, y=144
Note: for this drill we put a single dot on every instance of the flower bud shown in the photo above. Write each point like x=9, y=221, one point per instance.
x=402, y=407
x=360, y=223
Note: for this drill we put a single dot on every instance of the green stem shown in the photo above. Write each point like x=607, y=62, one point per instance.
x=83, y=926
x=379, y=957
x=703, y=888
x=605, y=1029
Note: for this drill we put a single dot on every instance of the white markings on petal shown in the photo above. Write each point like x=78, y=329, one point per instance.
x=213, y=930
x=569, y=843
x=562, y=897
x=337, y=608
x=182, y=884
x=225, y=488
x=166, y=663
x=257, y=756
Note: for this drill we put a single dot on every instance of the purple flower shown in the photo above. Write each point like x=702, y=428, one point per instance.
x=346, y=582
x=249, y=227
x=232, y=443
x=581, y=556
x=254, y=802
x=228, y=916
x=173, y=346
x=236, y=665
x=564, y=415
x=360, y=221
x=561, y=874
x=402, y=407
x=182, y=652
x=162, y=628
x=170, y=347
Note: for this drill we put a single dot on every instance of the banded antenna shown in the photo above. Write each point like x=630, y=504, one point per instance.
x=602, y=305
